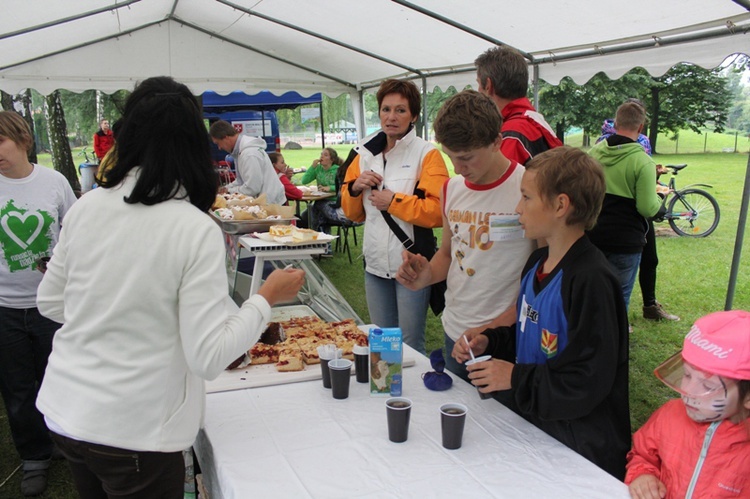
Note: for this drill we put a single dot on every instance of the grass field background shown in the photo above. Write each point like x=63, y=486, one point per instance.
x=692, y=281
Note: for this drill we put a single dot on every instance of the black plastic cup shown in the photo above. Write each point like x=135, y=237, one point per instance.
x=326, y=373
x=340, y=371
x=362, y=363
x=452, y=420
x=399, y=413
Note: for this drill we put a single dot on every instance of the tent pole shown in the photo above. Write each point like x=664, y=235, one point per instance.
x=322, y=128
x=738, y=240
x=425, y=135
x=535, y=82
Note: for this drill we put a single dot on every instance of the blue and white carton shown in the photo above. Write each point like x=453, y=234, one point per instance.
x=386, y=360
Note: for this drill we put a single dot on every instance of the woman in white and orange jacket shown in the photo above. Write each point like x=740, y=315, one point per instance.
x=396, y=174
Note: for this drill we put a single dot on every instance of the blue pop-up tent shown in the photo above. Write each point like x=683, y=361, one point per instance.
x=239, y=106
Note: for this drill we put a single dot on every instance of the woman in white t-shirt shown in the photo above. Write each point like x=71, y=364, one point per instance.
x=33, y=201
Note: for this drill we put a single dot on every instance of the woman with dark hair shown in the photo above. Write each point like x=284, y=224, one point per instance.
x=149, y=319
x=393, y=185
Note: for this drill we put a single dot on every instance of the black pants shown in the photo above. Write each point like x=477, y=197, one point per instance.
x=647, y=271
x=103, y=472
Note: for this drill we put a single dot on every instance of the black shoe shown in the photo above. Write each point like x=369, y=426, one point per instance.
x=34, y=482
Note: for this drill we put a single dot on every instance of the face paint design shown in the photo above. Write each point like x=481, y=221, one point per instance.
x=708, y=397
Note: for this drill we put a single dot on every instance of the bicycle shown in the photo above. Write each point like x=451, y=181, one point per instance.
x=691, y=212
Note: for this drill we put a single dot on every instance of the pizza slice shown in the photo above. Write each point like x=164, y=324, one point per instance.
x=290, y=358
x=261, y=353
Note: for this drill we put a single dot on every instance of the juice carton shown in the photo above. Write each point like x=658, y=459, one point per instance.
x=386, y=357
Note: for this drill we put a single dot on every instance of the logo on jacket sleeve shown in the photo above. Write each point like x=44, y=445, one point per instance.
x=549, y=343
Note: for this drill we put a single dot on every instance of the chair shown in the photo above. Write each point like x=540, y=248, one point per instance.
x=342, y=230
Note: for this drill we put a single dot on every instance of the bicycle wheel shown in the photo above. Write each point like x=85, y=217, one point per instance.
x=693, y=213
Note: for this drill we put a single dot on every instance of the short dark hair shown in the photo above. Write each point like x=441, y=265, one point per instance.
x=14, y=127
x=468, y=120
x=570, y=171
x=162, y=132
x=221, y=129
x=743, y=390
x=405, y=88
x=274, y=157
x=507, y=69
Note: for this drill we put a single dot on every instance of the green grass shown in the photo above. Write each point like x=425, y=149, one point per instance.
x=692, y=281
x=689, y=142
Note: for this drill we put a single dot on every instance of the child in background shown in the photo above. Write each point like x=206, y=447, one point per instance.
x=291, y=191
x=563, y=365
x=699, y=446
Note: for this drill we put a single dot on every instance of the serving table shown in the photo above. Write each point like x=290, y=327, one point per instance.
x=295, y=440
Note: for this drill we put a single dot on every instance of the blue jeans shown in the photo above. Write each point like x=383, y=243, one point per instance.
x=625, y=266
x=451, y=364
x=392, y=305
x=25, y=345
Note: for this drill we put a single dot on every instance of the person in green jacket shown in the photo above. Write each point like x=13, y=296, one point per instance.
x=323, y=171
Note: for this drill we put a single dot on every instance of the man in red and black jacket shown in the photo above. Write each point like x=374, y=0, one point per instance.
x=503, y=75
x=104, y=139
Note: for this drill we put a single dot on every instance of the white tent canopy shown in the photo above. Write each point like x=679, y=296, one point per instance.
x=340, y=46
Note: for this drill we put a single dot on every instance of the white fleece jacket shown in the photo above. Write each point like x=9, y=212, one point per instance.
x=142, y=293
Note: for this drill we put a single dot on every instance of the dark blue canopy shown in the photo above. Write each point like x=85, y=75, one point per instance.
x=216, y=103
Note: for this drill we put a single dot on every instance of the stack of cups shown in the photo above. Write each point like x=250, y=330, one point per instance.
x=361, y=363
x=326, y=354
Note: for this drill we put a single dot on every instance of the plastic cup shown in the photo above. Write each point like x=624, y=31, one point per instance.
x=340, y=371
x=483, y=396
x=452, y=420
x=326, y=373
x=398, y=410
x=361, y=363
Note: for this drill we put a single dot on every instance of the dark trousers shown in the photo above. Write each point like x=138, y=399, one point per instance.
x=103, y=472
x=647, y=270
x=25, y=345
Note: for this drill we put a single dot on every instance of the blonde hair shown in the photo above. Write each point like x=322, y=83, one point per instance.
x=14, y=127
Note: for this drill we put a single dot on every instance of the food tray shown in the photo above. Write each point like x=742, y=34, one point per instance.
x=249, y=226
x=254, y=376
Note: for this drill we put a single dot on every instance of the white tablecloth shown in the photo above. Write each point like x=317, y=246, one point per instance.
x=295, y=440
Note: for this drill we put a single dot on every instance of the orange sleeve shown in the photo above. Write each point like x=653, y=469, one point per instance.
x=423, y=212
x=352, y=205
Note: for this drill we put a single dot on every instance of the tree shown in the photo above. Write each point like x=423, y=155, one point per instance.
x=688, y=96
x=62, y=158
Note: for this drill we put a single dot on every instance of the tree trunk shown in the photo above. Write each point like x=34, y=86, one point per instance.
x=653, y=129
x=26, y=101
x=6, y=100
x=560, y=130
x=99, y=107
x=62, y=158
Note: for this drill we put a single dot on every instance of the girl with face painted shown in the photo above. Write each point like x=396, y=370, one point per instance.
x=699, y=445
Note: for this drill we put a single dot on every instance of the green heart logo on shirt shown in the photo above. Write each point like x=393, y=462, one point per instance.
x=22, y=228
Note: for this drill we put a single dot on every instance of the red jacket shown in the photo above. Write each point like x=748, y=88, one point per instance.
x=669, y=446
x=103, y=142
x=291, y=191
x=525, y=133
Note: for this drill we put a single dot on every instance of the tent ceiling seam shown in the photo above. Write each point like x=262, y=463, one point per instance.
x=65, y=20
x=319, y=36
x=259, y=51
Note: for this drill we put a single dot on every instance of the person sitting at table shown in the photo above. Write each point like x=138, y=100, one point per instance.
x=323, y=171
x=400, y=205
x=285, y=173
x=139, y=283
x=563, y=365
x=255, y=173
